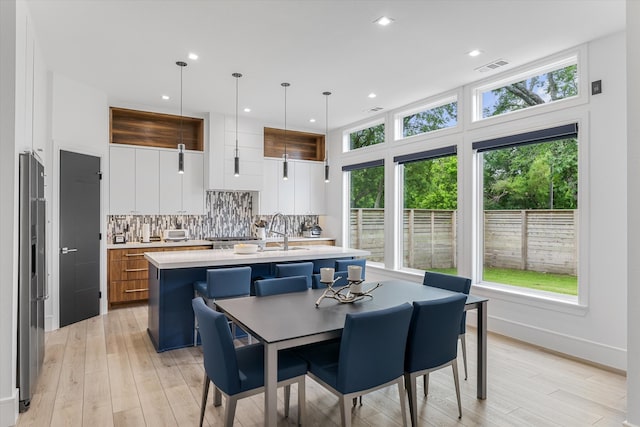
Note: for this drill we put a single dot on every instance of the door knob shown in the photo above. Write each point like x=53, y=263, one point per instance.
x=67, y=250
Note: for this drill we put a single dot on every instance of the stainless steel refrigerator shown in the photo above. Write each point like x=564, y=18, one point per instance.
x=32, y=286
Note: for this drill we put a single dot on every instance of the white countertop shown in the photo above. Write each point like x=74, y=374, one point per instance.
x=221, y=257
x=163, y=244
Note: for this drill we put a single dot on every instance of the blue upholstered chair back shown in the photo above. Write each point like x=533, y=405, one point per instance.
x=450, y=283
x=295, y=269
x=228, y=282
x=281, y=285
x=317, y=284
x=220, y=361
x=343, y=265
x=372, y=348
x=447, y=281
x=433, y=333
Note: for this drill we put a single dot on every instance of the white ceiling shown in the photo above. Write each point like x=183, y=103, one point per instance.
x=128, y=49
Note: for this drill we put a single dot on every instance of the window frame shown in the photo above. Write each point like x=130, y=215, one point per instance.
x=577, y=305
x=474, y=92
x=398, y=117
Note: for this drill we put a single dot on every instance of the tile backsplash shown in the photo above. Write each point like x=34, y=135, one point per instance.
x=228, y=214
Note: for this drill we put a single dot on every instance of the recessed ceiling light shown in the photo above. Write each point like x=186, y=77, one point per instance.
x=247, y=110
x=372, y=95
x=384, y=21
x=474, y=52
x=193, y=56
x=165, y=97
x=312, y=120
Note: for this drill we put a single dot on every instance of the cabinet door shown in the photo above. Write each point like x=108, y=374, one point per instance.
x=317, y=188
x=269, y=193
x=286, y=189
x=122, y=178
x=193, y=183
x=147, y=182
x=170, y=183
x=301, y=188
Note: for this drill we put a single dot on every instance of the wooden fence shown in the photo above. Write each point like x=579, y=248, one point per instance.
x=538, y=240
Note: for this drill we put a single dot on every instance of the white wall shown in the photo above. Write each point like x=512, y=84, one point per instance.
x=23, y=127
x=596, y=330
x=633, y=213
x=80, y=123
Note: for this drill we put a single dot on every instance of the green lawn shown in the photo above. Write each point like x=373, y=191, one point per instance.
x=559, y=283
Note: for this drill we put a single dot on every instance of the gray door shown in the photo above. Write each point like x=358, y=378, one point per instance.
x=79, y=237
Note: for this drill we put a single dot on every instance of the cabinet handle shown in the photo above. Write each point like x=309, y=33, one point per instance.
x=130, y=291
x=130, y=270
x=138, y=254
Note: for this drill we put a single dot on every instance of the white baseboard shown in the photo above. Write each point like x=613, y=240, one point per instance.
x=581, y=348
x=9, y=409
x=628, y=424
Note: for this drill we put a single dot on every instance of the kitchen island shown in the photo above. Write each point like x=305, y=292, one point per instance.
x=172, y=274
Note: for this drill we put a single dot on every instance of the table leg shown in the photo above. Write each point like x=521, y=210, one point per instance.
x=482, y=351
x=270, y=384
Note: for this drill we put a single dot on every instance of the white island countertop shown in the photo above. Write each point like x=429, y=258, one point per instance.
x=222, y=257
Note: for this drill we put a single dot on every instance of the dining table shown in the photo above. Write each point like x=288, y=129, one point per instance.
x=293, y=319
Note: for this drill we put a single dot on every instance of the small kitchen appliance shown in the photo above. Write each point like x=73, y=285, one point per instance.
x=180, y=235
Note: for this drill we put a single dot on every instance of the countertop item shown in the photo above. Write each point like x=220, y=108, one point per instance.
x=159, y=244
x=219, y=257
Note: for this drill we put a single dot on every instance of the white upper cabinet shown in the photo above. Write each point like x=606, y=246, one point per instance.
x=147, y=182
x=133, y=181
x=181, y=193
x=301, y=194
x=122, y=179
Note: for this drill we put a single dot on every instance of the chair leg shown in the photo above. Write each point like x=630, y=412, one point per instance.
x=195, y=325
x=425, y=380
x=302, y=402
x=217, y=396
x=205, y=394
x=410, y=385
x=401, y=394
x=230, y=411
x=454, y=365
x=463, y=341
x=345, y=413
x=287, y=397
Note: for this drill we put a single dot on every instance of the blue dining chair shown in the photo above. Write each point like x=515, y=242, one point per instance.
x=342, y=281
x=369, y=356
x=343, y=264
x=295, y=269
x=237, y=373
x=222, y=283
x=432, y=344
x=455, y=284
x=280, y=285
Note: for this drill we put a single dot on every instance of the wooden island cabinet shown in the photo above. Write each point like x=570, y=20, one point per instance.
x=128, y=271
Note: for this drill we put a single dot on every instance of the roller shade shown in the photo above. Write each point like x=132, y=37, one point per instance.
x=365, y=165
x=427, y=155
x=534, y=137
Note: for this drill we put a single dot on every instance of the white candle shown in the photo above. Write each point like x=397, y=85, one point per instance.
x=326, y=275
x=354, y=272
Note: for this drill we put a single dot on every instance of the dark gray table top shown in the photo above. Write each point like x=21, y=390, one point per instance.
x=287, y=316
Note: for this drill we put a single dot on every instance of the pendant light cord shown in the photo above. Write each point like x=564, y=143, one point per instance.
x=285, y=119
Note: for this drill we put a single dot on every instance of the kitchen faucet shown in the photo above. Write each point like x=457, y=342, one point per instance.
x=286, y=229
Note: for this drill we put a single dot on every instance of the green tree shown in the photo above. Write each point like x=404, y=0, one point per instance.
x=431, y=184
x=367, y=187
x=430, y=120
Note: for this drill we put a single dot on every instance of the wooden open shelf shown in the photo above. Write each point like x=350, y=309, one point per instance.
x=300, y=145
x=148, y=129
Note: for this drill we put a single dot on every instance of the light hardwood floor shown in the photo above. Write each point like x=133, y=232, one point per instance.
x=105, y=372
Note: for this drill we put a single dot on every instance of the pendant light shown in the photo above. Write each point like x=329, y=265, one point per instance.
x=326, y=137
x=236, y=159
x=285, y=165
x=181, y=64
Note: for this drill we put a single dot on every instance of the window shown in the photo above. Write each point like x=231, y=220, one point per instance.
x=428, y=119
x=366, y=208
x=543, y=86
x=430, y=201
x=530, y=207
x=366, y=137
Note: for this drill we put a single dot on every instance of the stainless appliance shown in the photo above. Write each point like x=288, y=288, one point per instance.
x=316, y=231
x=228, y=241
x=32, y=286
x=179, y=235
